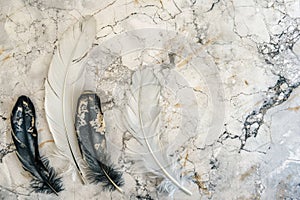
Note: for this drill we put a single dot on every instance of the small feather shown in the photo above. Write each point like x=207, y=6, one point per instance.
x=143, y=119
x=90, y=129
x=24, y=135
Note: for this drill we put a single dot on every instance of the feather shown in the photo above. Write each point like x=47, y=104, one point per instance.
x=142, y=116
x=90, y=129
x=24, y=135
x=64, y=85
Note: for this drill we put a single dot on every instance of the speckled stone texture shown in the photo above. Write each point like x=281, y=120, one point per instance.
x=229, y=72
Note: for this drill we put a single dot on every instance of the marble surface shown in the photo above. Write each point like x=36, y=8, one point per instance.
x=229, y=72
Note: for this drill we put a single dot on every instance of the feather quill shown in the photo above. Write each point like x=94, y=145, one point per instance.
x=64, y=85
x=90, y=129
x=24, y=135
x=142, y=117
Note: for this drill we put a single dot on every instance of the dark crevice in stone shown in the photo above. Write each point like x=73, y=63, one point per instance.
x=9, y=148
x=278, y=94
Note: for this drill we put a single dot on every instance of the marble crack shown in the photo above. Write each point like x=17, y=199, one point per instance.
x=278, y=94
x=9, y=148
x=226, y=135
x=274, y=54
x=142, y=191
x=279, y=43
x=3, y=118
x=213, y=5
x=111, y=26
x=206, y=187
x=200, y=31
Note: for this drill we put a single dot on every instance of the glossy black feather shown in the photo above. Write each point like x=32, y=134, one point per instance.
x=89, y=125
x=24, y=135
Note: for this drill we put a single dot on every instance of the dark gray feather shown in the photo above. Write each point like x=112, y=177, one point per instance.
x=90, y=129
x=24, y=135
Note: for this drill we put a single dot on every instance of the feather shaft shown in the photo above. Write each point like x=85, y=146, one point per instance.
x=112, y=182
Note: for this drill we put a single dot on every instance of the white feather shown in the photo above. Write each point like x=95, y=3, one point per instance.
x=142, y=117
x=65, y=83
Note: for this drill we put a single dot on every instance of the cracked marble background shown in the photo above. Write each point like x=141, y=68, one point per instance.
x=238, y=59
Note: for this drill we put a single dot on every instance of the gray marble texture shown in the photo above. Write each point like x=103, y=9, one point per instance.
x=229, y=72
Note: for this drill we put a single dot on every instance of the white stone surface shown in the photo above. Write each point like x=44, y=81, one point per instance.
x=229, y=70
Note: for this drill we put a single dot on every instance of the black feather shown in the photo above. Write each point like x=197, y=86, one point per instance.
x=89, y=125
x=99, y=172
x=24, y=135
